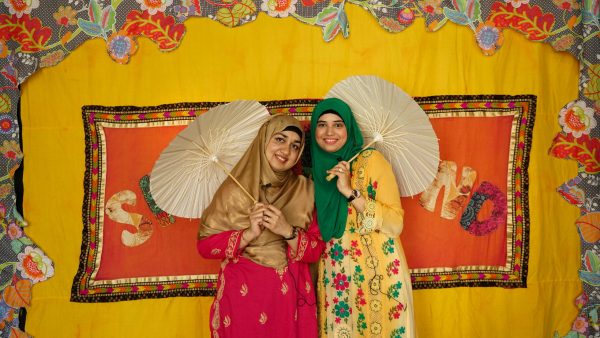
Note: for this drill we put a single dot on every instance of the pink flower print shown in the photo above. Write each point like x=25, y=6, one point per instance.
x=350, y=310
x=14, y=231
x=336, y=300
x=360, y=293
x=354, y=243
x=358, y=252
x=326, y=304
x=375, y=184
x=395, y=271
x=345, y=252
x=396, y=315
x=341, y=282
x=332, y=262
x=331, y=242
x=349, y=211
x=397, y=262
x=400, y=307
x=338, y=320
x=363, y=301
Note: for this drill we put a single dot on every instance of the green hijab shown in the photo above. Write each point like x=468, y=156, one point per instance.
x=332, y=206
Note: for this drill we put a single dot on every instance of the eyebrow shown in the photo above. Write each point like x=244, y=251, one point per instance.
x=281, y=134
x=333, y=121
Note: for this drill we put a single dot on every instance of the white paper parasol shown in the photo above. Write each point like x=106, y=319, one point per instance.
x=190, y=170
x=393, y=123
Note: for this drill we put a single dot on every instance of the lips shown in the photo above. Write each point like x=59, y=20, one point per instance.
x=330, y=140
x=281, y=158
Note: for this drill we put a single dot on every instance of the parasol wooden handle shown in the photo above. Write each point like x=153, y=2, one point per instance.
x=331, y=176
x=236, y=181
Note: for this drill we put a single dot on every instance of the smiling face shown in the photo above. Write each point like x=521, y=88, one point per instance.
x=283, y=150
x=331, y=133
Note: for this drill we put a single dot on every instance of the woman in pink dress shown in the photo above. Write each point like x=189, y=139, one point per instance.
x=264, y=287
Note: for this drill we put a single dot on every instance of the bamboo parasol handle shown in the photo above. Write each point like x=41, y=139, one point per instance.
x=331, y=176
x=216, y=160
x=236, y=181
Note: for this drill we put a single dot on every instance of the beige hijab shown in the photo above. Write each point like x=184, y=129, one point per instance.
x=290, y=193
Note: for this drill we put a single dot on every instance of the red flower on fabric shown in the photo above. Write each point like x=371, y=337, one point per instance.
x=358, y=252
x=375, y=184
x=363, y=301
x=65, y=16
x=396, y=315
x=345, y=252
x=396, y=262
x=360, y=293
x=354, y=243
x=349, y=211
x=395, y=271
x=336, y=300
x=338, y=320
x=400, y=307
x=341, y=282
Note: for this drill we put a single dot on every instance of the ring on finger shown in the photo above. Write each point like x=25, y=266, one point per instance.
x=266, y=218
x=340, y=169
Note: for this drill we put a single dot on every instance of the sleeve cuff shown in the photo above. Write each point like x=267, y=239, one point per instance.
x=233, y=244
x=368, y=220
x=302, y=245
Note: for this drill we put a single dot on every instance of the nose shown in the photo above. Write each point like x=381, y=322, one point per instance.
x=286, y=150
x=329, y=131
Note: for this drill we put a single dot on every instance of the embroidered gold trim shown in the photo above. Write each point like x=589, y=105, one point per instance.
x=302, y=244
x=233, y=240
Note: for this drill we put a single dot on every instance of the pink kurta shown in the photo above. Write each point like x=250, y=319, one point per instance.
x=256, y=301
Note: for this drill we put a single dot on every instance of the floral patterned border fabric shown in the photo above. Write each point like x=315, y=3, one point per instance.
x=36, y=34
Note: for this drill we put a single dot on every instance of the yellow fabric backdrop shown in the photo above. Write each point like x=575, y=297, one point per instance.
x=283, y=59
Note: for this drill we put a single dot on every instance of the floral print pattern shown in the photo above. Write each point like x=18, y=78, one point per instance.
x=577, y=119
x=363, y=277
x=20, y=7
x=35, y=265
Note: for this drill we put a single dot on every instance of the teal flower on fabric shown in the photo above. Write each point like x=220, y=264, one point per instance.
x=358, y=269
x=340, y=293
x=397, y=332
x=326, y=281
x=342, y=310
x=396, y=293
x=388, y=247
x=398, y=285
x=337, y=252
x=352, y=230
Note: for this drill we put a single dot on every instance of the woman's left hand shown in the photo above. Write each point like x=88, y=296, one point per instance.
x=342, y=171
x=275, y=221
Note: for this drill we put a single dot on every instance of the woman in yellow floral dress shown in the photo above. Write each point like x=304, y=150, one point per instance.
x=364, y=285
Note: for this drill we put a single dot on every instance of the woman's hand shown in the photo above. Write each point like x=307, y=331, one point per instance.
x=256, y=222
x=342, y=171
x=275, y=221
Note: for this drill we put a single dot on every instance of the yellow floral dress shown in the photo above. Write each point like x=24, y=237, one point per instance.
x=364, y=285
